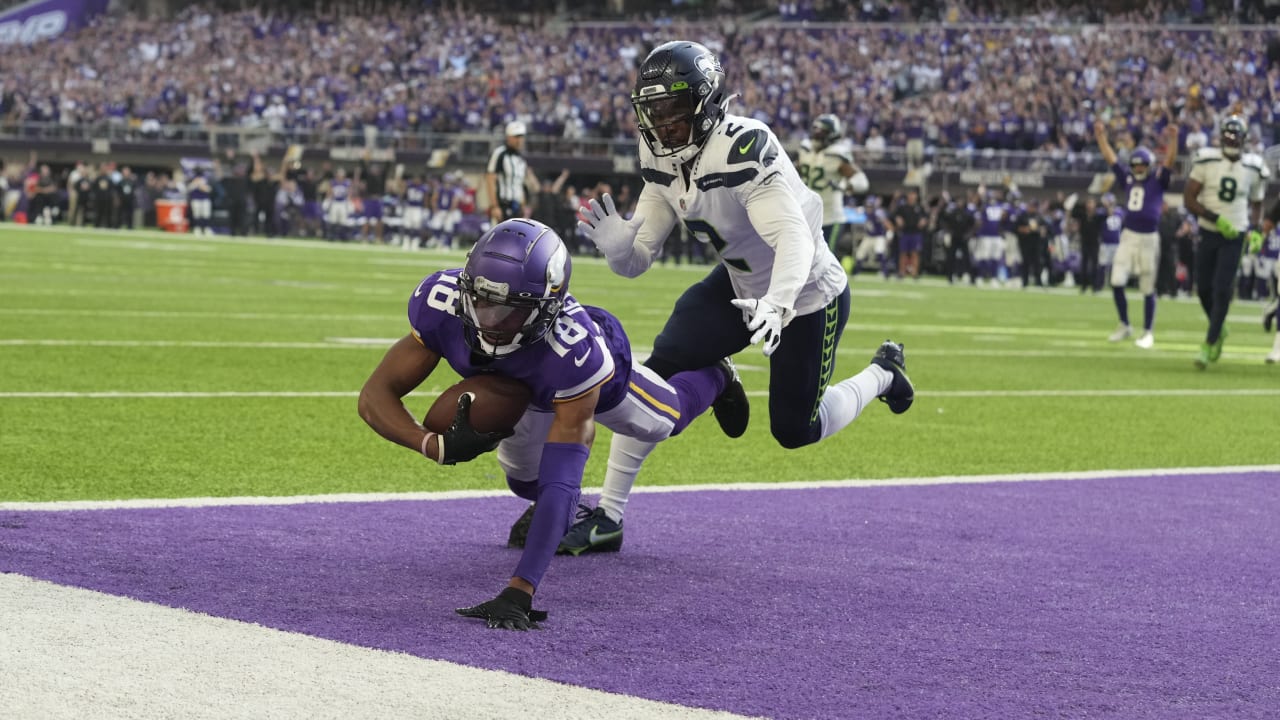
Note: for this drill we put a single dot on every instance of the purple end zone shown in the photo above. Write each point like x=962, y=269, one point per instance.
x=1154, y=597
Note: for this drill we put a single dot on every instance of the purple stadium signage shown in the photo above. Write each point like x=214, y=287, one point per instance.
x=46, y=19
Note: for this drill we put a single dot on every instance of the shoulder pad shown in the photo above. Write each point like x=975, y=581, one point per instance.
x=751, y=145
x=1207, y=154
x=806, y=145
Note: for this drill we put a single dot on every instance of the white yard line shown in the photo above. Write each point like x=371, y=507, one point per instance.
x=143, y=503
x=1078, y=392
x=74, y=653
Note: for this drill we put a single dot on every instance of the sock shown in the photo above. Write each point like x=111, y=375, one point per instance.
x=696, y=389
x=1122, y=304
x=843, y=402
x=1275, y=346
x=1148, y=312
x=626, y=455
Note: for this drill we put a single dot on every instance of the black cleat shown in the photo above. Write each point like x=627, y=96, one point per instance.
x=520, y=530
x=732, y=408
x=901, y=393
x=594, y=532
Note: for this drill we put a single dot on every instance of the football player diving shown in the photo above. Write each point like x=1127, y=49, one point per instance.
x=509, y=311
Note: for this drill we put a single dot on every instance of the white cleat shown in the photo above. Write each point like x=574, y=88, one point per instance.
x=1146, y=342
x=1273, y=358
x=1124, y=332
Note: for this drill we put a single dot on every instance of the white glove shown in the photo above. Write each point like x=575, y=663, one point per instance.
x=766, y=319
x=610, y=232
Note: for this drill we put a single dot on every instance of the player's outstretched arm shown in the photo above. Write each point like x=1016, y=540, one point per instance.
x=402, y=369
x=1104, y=145
x=1170, y=159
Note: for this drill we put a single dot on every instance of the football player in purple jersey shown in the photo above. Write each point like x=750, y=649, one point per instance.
x=1142, y=193
x=509, y=311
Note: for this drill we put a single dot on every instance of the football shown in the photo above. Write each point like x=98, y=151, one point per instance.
x=499, y=402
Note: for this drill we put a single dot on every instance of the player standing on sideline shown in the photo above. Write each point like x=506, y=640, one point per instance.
x=826, y=166
x=875, y=240
x=727, y=179
x=1224, y=191
x=415, y=206
x=1139, y=249
x=1108, y=243
x=509, y=311
x=337, y=214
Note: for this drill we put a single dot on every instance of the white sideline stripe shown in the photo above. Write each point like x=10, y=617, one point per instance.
x=197, y=502
x=1115, y=392
x=1168, y=352
x=74, y=653
x=336, y=345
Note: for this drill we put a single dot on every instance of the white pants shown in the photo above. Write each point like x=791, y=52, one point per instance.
x=990, y=247
x=338, y=212
x=413, y=218
x=643, y=414
x=870, y=247
x=1137, y=253
x=444, y=220
x=1107, y=254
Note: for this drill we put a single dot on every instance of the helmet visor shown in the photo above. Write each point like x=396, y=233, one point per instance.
x=666, y=120
x=498, y=322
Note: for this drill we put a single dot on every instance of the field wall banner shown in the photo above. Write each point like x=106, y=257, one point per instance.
x=41, y=20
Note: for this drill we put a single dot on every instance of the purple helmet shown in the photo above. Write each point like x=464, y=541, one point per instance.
x=1140, y=162
x=513, y=286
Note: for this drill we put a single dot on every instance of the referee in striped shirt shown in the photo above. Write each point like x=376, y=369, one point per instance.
x=507, y=174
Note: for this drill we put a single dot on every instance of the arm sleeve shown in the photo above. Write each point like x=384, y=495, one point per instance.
x=776, y=216
x=559, y=482
x=659, y=220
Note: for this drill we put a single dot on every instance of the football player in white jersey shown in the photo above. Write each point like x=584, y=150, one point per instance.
x=727, y=179
x=826, y=166
x=1224, y=191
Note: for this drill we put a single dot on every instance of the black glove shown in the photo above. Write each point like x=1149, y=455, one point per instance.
x=461, y=442
x=512, y=610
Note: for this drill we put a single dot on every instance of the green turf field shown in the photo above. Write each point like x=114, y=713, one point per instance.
x=235, y=367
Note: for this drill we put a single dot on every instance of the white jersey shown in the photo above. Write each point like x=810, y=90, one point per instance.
x=820, y=170
x=744, y=198
x=1229, y=186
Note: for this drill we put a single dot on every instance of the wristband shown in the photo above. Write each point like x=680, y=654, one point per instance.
x=1210, y=215
x=427, y=438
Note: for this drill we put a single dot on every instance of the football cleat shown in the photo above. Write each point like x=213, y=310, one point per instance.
x=732, y=408
x=1147, y=341
x=594, y=532
x=1273, y=357
x=1202, y=360
x=520, y=530
x=901, y=393
x=1124, y=332
x=1215, y=350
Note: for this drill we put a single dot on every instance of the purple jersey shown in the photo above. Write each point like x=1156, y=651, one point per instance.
x=415, y=195
x=991, y=220
x=1143, y=198
x=341, y=189
x=1112, y=226
x=445, y=197
x=1271, y=248
x=877, y=223
x=586, y=349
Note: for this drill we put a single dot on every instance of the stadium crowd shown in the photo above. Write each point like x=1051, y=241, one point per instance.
x=965, y=84
x=963, y=79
